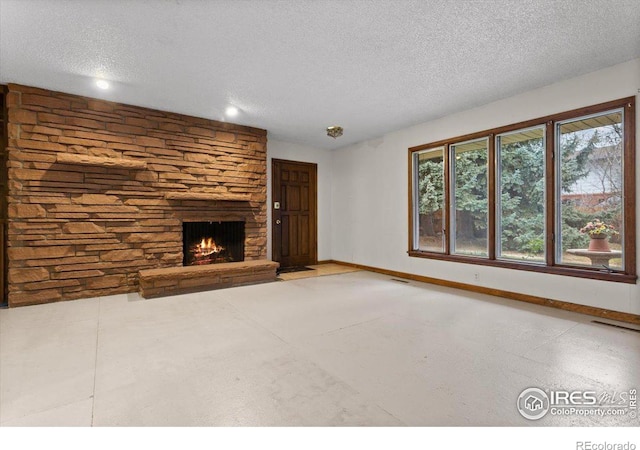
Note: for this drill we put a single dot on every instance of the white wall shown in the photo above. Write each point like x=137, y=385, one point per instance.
x=370, y=194
x=295, y=152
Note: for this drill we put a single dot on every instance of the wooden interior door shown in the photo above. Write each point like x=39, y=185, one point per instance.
x=294, y=213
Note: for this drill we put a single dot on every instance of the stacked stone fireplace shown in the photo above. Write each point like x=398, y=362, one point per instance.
x=100, y=191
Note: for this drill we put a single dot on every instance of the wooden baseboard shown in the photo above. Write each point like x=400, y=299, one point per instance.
x=589, y=310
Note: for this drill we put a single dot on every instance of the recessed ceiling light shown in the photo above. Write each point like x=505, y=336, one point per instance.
x=231, y=111
x=102, y=84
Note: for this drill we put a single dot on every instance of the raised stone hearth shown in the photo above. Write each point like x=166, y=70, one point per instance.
x=98, y=192
x=183, y=280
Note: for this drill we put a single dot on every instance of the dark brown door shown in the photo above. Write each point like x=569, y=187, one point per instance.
x=3, y=195
x=294, y=213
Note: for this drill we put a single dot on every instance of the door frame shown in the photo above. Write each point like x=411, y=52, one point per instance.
x=276, y=245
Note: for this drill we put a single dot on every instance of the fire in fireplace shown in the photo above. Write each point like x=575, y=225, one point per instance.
x=212, y=242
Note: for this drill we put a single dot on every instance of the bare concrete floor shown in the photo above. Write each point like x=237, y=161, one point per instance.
x=350, y=349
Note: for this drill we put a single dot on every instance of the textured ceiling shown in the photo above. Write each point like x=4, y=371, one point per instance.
x=296, y=67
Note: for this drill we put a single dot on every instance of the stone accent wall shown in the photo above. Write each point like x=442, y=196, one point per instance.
x=85, y=229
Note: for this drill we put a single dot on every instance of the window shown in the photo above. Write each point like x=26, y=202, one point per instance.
x=522, y=196
x=470, y=187
x=590, y=184
x=429, y=209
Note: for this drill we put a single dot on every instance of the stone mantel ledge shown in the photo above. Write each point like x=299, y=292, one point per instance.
x=206, y=196
x=87, y=160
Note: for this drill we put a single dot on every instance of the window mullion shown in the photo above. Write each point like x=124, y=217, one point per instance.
x=414, y=199
x=551, y=231
x=629, y=186
x=491, y=175
x=447, y=199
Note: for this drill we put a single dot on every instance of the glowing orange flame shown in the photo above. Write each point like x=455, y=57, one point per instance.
x=207, y=247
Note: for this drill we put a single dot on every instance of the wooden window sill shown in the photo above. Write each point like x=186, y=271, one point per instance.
x=571, y=271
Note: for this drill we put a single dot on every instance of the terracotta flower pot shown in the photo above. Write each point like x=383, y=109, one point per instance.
x=599, y=243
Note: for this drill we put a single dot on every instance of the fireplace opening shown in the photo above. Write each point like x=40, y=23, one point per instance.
x=212, y=242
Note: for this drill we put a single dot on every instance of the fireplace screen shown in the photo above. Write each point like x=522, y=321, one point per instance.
x=212, y=242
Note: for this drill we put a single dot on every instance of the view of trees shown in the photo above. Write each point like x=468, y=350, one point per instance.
x=591, y=188
x=471, y=197
x=522, y=191
x=431, y=199
x=591, y=178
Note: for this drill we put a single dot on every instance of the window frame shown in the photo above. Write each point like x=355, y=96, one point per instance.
x=558, y=194
x=452, y=238
x=551, y=265
x=415, y=207
x=498, y=200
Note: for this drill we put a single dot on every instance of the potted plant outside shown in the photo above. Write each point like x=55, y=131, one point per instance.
x=599, y=233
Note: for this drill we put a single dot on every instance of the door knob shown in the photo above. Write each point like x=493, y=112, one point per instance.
x=278, y=221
